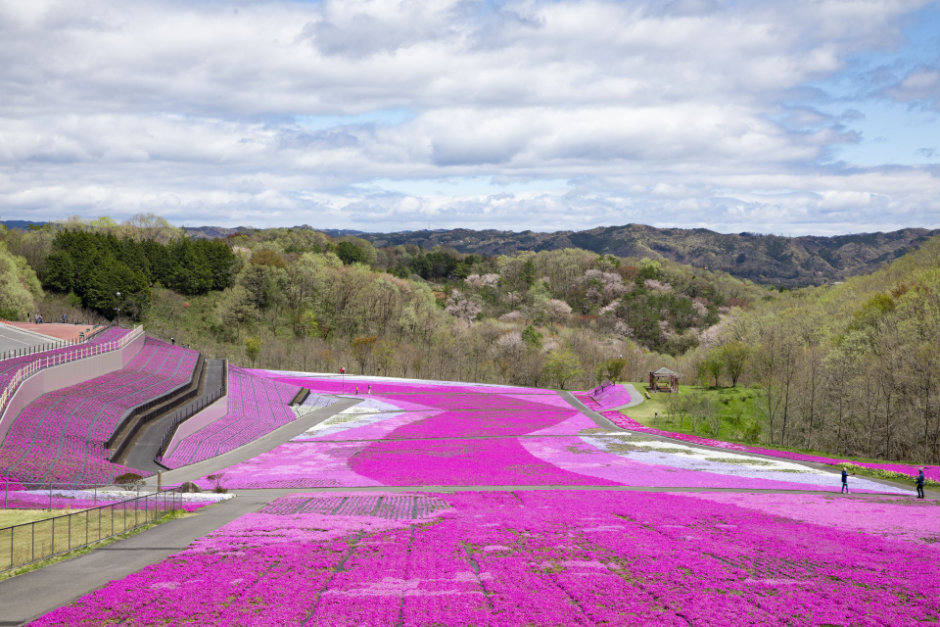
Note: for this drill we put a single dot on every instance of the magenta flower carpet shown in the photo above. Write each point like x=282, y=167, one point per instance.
x=526, y=558
x=413, y=434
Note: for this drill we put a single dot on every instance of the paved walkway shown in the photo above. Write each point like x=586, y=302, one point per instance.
x=13, y=341
x=29, y=596
x=636, y=397
x=57, y=330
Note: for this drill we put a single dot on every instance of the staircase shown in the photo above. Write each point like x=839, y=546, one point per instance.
x=136, y=420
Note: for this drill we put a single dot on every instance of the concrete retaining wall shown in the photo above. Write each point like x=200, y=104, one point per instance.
x=204, y=418
x=66, y=375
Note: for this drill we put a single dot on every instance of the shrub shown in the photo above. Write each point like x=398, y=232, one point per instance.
x=129, y=478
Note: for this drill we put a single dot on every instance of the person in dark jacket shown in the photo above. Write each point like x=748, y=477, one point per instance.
x=920, y=484
x=845, y=480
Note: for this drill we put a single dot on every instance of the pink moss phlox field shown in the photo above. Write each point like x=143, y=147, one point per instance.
x=576, y=456
x=467, y=440
x=902, y=518
x=625, y=422
x=609, y=398
x=529, y=558
x=467, y=462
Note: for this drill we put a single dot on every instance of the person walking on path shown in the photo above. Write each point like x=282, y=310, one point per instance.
x=845, y=480
x=920, y=483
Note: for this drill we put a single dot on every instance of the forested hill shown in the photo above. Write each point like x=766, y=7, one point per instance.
x=764, y=259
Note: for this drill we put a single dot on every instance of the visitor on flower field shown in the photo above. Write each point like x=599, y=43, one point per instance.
x=370, y=390
x=920, y=483
x=845, y=480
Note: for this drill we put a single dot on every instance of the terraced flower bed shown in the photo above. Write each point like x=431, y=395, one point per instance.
x=60, y=437
x=609, y=398
x=525, y=558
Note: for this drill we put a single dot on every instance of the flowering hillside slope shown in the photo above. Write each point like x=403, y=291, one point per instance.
x=435, y=433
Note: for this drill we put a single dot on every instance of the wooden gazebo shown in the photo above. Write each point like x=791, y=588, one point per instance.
x=659, y=379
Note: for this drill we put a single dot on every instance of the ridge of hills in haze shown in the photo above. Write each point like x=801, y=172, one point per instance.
x=764, y=259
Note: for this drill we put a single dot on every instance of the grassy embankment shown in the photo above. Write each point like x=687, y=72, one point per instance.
x=41, y=541
x=735, y=407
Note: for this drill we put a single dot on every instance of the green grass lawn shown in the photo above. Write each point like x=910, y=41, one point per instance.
x=731, y=403
x=10, y=517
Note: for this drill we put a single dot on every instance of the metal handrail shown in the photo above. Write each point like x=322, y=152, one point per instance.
x=28, y=543
x=191, y=411
x=168, y=397
x=603, y=386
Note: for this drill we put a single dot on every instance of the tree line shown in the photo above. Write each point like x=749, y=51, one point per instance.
x=102, y=272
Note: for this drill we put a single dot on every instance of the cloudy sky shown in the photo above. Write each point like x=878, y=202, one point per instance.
x=792, y=117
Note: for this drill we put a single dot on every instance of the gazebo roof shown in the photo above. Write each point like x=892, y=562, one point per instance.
x=665, y=372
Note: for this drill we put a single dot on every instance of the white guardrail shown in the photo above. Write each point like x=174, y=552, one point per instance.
x=81, y=351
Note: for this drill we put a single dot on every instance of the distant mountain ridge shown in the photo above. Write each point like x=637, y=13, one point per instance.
x=765, y=259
